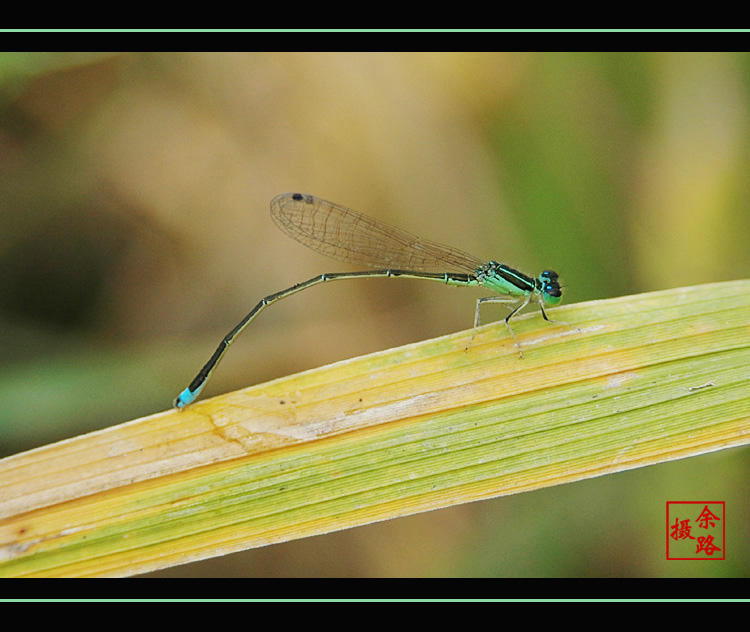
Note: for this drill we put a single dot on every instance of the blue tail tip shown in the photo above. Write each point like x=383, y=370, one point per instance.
x=184, y=398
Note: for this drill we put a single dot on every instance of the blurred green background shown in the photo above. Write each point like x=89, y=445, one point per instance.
x=134, y=193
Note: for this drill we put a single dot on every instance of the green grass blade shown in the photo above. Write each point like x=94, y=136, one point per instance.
x=645, y=379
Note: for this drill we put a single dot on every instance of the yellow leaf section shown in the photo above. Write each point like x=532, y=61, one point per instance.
x=638, y=380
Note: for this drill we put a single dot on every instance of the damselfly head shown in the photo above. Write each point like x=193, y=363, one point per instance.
x=551, y=291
